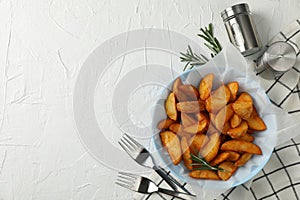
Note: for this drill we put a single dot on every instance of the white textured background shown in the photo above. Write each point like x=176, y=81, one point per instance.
x=43, y=44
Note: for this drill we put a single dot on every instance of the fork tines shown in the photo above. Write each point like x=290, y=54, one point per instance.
x=126, y=180
x=129, y=144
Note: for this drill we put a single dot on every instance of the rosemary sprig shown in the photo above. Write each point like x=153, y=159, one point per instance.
x=203, y=165
x=192, y=59
x=212, y=42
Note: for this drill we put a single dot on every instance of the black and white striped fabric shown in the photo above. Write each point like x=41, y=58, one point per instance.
x=280, y=178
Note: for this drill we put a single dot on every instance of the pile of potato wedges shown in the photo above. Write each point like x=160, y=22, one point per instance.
x=216, y=122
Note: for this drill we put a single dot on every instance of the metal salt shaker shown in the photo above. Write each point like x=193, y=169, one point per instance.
x=279, y=58
x=241, y=29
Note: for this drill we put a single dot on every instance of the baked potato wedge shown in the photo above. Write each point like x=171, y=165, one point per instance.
x=197, y=142
x=165, y=123
x=239, y=131
x=229, y=169
x=186, y=156
x=217, y=99
x=170, y=106
x=234, y=88
x=189, y=91
x=243, y=159
x=223, y=116
x=219, y=158
x=205, y=86
x=211, y=148
x=187, y=120
x=233, y=156
x=196, y=128
x=190, y=106
x=171, y=142
x=178, y=130
x=204, y=174
x=243, y=106
x=241, y=146
x=180, y=96
x=235, y=120
x=247, y=137
x=255, y=122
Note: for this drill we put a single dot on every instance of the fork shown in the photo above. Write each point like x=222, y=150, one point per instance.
x=146, y=186
x=143, y=157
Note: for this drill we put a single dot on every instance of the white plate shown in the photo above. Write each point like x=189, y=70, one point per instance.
x=265, y=139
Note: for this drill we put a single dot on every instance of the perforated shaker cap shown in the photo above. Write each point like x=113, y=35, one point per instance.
x=234, y=10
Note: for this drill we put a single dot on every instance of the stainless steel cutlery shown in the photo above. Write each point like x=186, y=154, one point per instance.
x=143, y=157
x=146, y=186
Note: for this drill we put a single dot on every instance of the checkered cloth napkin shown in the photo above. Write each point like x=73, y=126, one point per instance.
x=284, y=90
x=280, y=178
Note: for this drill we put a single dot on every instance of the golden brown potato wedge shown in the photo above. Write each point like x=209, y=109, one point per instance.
x=225, y=128
x=235, y=120
x=186, y=156
x=255, y=122
x=175, y=128
x=222, y=92
x=165, y=123
x=178, y=130
x=211, y=129
x=247, y=137
x=229, y=169
x=233, y=156
x=196, y=128
x=204, y=174
x=170, y=106
x=187, y=120
x=243, y=159
x=243, y=106
x=190, y=92
x=201, y=116
x=218, y=99
x=212, y=117
x=205, y=86
x=180, y=96
x=176, y=85
x=219, y=158
x=190, y=106
x=223, y=116
x=234, y=88
x=172, y=144
x=238, y=131
x=241, y=146
x=197, y=142
x=211, y=148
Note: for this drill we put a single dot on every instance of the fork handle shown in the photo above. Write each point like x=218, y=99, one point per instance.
x=179, y=195
x=174, y=184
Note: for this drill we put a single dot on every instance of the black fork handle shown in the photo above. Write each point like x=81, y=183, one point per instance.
x=173, y=183
x=179, y=195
